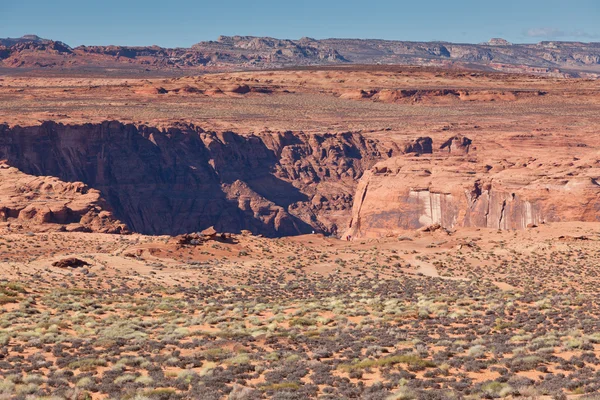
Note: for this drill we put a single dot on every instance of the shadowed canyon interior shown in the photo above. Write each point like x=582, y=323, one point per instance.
x=184, y=179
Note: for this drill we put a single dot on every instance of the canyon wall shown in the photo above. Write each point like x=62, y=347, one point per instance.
x=185, y=179
x=460, y=190
x=112, y=177
x=37, y=204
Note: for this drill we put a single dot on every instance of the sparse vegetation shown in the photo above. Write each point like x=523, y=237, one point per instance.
x=466, y=314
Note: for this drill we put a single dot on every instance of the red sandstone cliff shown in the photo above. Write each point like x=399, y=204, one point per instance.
x=460, y=189
x=48, y=204
x=184, y=179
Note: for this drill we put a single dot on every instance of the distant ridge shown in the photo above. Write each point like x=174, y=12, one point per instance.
x=555, y=58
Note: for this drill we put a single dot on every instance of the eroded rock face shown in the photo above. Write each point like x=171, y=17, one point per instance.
x=29, y=203
x=184, y=179
x=405, y=193
x=422, y=145
x=457, y=144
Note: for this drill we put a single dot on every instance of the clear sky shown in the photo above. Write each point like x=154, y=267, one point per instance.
x=172, y=23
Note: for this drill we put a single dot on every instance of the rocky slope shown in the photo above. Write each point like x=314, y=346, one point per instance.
x=30, y=203
x=454, y=187
x=184, y=179
x=247, y=52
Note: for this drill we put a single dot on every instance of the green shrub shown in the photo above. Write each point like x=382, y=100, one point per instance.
x=85, y=382
x=124, y=379
x=160, y=393
x=281, y=386
x=410, y=359
x=87, y=364
x=144, y=380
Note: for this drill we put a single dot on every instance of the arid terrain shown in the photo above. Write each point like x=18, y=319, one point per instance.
x=41, y=56
x=333, y=232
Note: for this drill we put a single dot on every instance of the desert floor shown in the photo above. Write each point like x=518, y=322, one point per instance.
x=465, y=313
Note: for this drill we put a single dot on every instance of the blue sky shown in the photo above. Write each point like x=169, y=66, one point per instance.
x=172, y=23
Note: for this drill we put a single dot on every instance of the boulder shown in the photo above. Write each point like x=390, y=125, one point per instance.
x=70, y=263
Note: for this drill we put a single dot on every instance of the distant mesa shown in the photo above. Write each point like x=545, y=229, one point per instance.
x=31, y=37
x=557, y=59
x=499, y=42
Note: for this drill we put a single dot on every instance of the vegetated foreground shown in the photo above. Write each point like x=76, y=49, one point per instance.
x=474, y=314
x=471, y=200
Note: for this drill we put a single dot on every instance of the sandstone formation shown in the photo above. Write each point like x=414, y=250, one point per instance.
x=447, y=96
x=504, y=159
x=462, y=190
x=30, y=203
x=457, y=144
x=184, y=179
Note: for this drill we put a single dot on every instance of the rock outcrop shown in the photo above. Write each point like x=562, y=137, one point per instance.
x=30, y=203
x=71, y=262
x=112, y=177
x=437, y=96
x=184, y=179
x=457, y=144
x=459, y=190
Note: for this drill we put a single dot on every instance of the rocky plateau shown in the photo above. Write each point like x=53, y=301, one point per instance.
x=364, y=152
x=551, y=58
